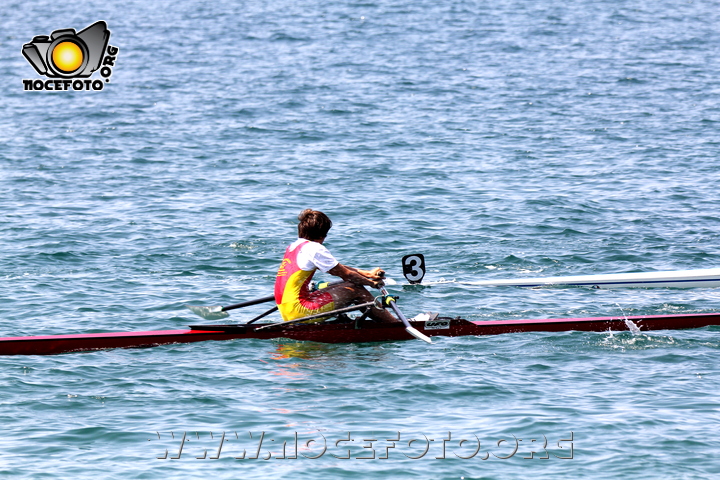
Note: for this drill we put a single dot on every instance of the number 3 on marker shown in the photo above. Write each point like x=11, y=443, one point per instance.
x=414, y=267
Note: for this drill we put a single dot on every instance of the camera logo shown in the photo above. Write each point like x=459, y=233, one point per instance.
x=68, y=56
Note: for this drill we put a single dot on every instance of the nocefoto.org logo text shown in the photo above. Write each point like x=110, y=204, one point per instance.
x=68, y=59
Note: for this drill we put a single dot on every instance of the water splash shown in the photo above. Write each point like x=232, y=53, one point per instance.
x=629, y=323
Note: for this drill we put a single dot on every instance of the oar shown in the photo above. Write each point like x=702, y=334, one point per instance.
x=217, y=312
x=706, y=277
x=262, y=315
x=329, y=313
x=409, y=328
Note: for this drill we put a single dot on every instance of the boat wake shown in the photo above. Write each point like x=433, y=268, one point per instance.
x=623, y=341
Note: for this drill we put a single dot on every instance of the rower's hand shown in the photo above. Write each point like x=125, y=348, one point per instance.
x=377, y=276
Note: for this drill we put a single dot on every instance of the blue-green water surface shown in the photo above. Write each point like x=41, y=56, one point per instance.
x=500, y=139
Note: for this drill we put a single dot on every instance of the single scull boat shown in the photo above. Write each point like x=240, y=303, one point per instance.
x=344, y=332
x=360, y=330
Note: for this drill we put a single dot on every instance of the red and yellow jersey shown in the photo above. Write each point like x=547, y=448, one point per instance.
x=292, y=287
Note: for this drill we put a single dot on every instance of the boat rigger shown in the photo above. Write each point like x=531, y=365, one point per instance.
x=344, y=332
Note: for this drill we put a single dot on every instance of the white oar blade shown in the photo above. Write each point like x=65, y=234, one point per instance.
x=209, y=313
x=412, y=331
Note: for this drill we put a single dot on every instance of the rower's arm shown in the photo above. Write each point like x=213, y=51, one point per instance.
x=358, y=277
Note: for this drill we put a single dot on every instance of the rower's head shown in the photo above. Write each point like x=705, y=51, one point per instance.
x=313, y=225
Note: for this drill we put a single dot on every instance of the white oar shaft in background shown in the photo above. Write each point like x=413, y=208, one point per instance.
x=709, y=277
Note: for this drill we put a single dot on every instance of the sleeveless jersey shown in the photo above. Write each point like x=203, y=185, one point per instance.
x=292, y=289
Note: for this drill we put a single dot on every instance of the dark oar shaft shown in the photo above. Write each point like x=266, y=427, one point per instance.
x=217, y=312
x=262, y=315
x=249, y=303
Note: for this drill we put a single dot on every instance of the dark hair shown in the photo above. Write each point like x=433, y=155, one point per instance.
x=313, y=225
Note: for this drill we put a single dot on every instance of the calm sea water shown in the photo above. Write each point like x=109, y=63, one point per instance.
x=501, y=139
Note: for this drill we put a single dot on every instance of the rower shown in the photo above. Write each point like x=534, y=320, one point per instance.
x=303, y=258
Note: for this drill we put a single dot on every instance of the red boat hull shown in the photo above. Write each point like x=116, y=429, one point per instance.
x=342, y=332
